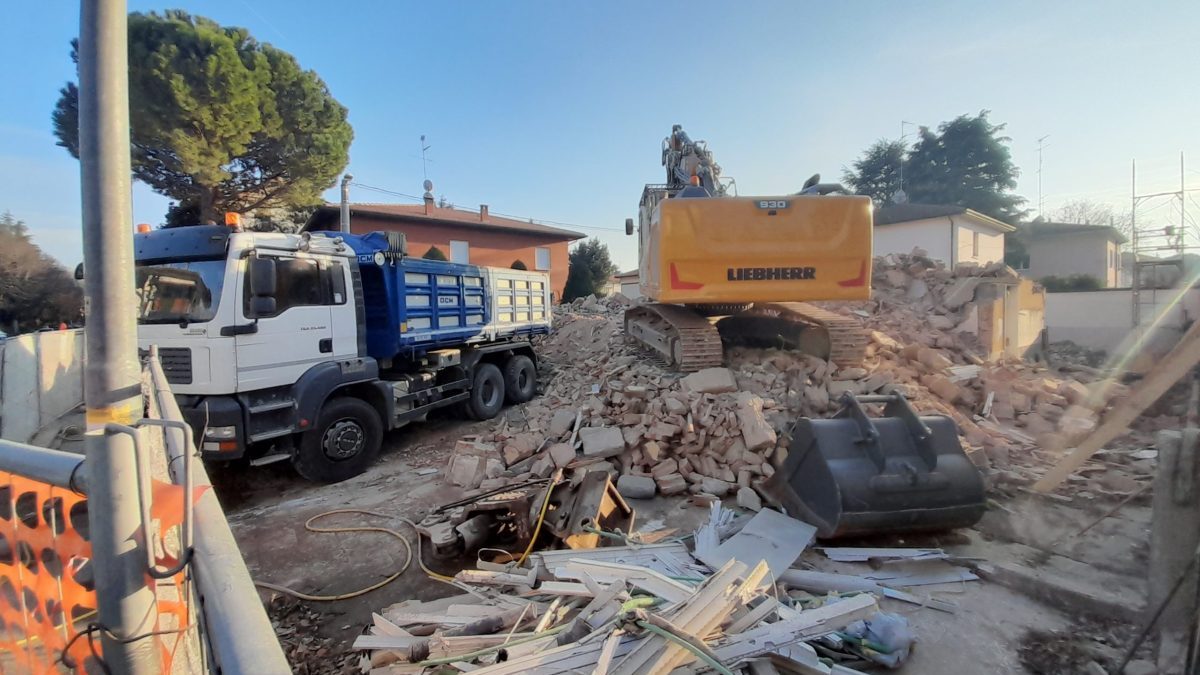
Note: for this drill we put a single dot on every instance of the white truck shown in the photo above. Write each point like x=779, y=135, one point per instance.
x=308, y=347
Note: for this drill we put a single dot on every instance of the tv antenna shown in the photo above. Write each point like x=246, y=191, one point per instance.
x=424, y=160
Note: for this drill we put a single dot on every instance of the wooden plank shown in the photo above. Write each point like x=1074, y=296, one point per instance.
x=707, y=620
x=565, y=588
x=607, y=652
x=688, y=617
x=640, y=577
x=808, y=625
x=752, y=617
x=384, y=627
x=564, y=659
x=1165, y=373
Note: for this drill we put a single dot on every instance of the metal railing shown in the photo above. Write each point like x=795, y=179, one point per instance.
x=232, y=633
x=238, y=637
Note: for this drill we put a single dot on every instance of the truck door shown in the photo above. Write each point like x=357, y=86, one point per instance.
x=299, y=334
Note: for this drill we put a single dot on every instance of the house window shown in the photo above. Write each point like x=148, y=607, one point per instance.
x=460, y=252
x=541, y=258
x=974, y=244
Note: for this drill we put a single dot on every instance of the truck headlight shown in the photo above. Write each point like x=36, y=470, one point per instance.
x=221, y=433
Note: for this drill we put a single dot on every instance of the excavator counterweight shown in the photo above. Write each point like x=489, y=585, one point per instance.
x=742, y=268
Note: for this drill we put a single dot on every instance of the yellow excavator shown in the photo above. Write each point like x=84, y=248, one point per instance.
x=713, y=265
x=718, y=267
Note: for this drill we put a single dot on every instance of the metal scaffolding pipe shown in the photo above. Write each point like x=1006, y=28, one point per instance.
x=112, y=388
x=53, y=467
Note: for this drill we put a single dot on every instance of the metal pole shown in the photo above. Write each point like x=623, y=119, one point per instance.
x=345, y=219
x=1133, y=236
x=112, y=384
x=53, y=467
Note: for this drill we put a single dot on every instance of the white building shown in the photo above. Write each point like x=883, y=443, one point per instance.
x=629, y=282
x=952, y=234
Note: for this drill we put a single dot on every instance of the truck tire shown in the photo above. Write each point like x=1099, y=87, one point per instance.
x=520, y=379
x=487, y=392
x=344, y=443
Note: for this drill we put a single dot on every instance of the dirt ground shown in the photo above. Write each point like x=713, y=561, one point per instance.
x=998, y=628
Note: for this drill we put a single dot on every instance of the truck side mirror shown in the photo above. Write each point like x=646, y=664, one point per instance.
x=262, y=278
x=262, y=306
x=629, y=226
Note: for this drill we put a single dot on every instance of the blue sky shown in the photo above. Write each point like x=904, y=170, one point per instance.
x=555, y=110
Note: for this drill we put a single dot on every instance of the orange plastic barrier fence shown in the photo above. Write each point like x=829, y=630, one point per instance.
x=48, y=621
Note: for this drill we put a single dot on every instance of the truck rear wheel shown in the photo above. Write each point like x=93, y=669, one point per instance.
x=344, y=443
x=487, y=392
x=520, y=379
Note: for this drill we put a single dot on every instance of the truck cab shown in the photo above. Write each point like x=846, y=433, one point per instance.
x=308, y=347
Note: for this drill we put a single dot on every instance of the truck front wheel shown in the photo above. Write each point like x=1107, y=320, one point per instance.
x=344, y=443
x=487, y=392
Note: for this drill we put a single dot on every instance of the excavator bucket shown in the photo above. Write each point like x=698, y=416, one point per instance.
x=858, y=475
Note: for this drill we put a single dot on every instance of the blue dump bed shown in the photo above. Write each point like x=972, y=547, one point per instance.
x=413, y=305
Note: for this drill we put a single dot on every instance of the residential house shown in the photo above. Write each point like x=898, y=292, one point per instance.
x=464, y=236
x=1065, y=249
x=952, y=234
x=630, y=284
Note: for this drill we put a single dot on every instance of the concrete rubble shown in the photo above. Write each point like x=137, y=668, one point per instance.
x=716, y=435
x=720, y=429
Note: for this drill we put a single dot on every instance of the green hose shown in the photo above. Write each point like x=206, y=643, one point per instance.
x=712, y=663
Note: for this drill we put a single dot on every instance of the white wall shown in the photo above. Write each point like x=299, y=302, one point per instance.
x=631, y=289
x=41, y=379
x=932, y=234
x=1104, y=319
x=1066, y=254
x=991, y=242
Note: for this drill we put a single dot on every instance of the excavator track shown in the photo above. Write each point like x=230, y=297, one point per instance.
x=685, y=340
x=838, y=338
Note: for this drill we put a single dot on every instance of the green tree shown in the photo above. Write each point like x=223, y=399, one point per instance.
x=966, y=161
x=220, y=122
x=877, y=171
x=519, y=265
x=35, y=291
x=434, y=253
x=589, y=270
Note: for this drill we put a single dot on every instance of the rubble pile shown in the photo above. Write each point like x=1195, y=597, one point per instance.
x=716, y=432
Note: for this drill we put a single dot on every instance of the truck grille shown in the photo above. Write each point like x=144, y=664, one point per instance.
x=176, y=364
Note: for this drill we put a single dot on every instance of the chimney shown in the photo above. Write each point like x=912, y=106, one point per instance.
x=428, y=197
x=483, y=213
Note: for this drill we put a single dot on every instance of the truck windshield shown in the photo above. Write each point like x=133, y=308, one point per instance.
x=184, y=292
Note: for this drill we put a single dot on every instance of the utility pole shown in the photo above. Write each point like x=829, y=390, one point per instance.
x=344, y=220
x=1041, y=204
x=900, y=193
x=112, y=377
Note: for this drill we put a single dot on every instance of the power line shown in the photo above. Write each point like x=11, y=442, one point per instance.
x=537, y=221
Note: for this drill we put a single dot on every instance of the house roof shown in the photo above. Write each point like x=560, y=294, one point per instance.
x=1046, y=229
x=328, y=213
x=631, y=274
x=906, y=213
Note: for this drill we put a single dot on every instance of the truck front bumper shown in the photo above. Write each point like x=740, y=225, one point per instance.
x=217, y=424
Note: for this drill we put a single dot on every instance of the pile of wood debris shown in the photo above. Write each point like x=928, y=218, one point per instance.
x=639, y=609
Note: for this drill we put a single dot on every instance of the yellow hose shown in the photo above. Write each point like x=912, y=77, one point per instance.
x=346, y=596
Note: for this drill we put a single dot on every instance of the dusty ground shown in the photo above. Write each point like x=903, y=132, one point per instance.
x=997, y=629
